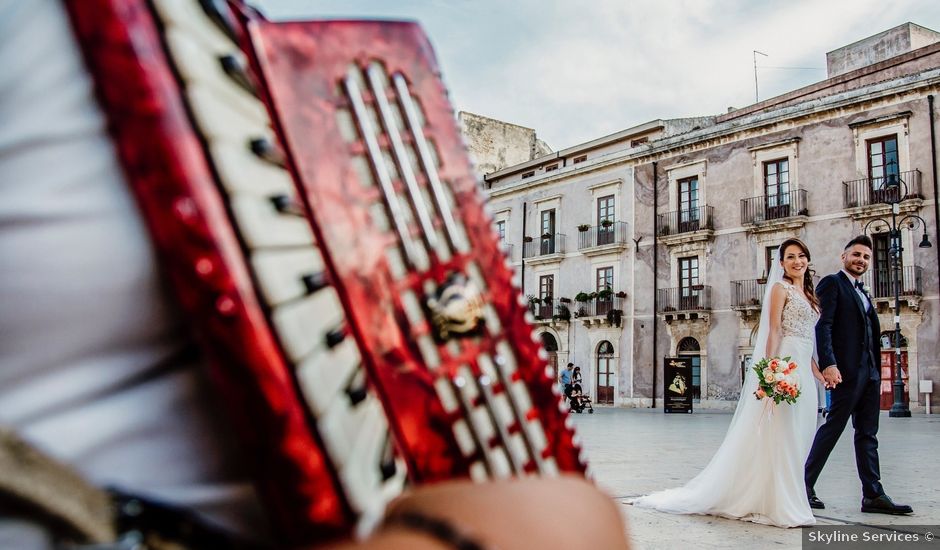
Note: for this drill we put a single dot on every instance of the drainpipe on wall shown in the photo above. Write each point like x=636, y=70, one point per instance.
x=522, y=253
x=655, y=279
x=936, y=197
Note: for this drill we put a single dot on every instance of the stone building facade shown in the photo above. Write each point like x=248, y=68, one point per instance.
x=494, y=144
x=677, y=218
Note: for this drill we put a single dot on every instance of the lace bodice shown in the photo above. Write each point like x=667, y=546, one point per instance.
x=799, y=317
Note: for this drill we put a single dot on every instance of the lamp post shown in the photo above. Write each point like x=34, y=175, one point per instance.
x=894, y=190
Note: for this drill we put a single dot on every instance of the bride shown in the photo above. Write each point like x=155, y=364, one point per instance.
x=757, y=473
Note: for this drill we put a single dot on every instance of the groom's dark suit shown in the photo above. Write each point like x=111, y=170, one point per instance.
x=848, y=336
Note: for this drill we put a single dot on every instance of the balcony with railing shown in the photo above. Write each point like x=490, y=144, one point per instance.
x=602, y=239
x=549, y=309
x=600, y=309
x=880, y=283
x=746, y=296
x=547, y=248
x=684, y=226
x=775, y=212
x=869, y=197
x=691, y=302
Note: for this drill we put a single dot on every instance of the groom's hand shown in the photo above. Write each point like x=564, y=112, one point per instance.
x=832, y=376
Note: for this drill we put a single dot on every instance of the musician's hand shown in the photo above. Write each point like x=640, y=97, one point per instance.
x=519, y=513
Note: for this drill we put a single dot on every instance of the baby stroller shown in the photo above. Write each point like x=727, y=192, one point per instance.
x=577, y=401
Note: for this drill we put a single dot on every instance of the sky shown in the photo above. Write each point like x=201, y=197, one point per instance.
x=576, y=70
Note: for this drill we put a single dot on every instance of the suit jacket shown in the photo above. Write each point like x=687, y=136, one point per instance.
x=846, y=335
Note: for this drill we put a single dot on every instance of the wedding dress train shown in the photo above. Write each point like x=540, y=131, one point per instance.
x=757, y=473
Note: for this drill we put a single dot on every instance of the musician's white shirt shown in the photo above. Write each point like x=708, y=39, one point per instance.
x=82, y=310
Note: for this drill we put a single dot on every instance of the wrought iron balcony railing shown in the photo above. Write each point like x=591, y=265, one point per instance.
x=598, y=307
x=544, y=246
x=685, y=221
x=681, y=299
x=747, y=293
x=765, y=208
x=871, y=191
x=602, y=235
x=553, y=309
x=881, y=282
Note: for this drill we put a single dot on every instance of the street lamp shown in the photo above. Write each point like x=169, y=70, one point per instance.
x=894, y=190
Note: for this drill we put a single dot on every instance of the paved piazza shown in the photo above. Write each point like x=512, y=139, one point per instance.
x=636, y=451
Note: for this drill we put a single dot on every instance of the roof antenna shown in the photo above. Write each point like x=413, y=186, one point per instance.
x=755, y=52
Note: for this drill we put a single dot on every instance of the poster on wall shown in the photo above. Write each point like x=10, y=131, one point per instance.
x=677, y=382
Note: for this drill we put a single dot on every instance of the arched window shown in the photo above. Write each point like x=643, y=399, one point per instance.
x=549, y=342
x=606, y=379
x=551, y=346
x=689, y=347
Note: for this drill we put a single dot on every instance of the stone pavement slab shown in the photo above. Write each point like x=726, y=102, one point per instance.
x=637, y=451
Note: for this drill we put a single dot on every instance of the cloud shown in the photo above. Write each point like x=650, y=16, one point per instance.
x=577, y=70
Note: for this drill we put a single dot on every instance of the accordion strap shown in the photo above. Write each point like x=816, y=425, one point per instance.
x=32, y=482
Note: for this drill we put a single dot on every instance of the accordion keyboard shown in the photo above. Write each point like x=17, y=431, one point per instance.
x=304, y=309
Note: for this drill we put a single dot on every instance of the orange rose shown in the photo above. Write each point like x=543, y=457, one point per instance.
x=792, y=366
x=760, y=393
x=774, y=365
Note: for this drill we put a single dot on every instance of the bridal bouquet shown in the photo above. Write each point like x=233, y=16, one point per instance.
x=777, y=380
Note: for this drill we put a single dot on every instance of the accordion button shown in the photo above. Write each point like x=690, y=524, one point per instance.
x=226, y=306
x=184, y=209
x=204, y=267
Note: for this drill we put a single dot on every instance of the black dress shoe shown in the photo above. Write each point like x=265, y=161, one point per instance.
x=815, y=503
x=884, y=505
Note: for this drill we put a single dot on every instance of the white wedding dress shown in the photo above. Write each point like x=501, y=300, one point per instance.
x=757, y=473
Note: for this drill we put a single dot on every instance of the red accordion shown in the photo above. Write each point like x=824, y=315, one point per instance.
x=315, y=210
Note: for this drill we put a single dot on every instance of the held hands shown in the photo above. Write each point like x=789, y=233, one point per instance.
x=831, y=376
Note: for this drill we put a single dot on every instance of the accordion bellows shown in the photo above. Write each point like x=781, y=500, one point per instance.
x=315, y=210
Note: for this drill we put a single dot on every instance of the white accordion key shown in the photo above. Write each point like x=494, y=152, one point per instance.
x=188, y=15
x=281, y=272
x=301, y=325
x=360, y=472
x=323, y=374
x=219, y=121
x=197, y=65
x=262, y=225
x=243, y=172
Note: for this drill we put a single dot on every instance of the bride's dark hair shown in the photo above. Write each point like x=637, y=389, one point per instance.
x=808, y=287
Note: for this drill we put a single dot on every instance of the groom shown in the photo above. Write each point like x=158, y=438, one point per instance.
x=847, y=340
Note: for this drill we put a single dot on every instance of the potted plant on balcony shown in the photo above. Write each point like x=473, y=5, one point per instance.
x=527, y=239
x=564, y=300
x=583, y=227
x=762, y=280
x=698, y=286
x=582, y=297
x=546, y=235
x=621, y=294
x=547, y=300
x=564, y=314
x=614, y=317
x=604, y=294
x=607, y=223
